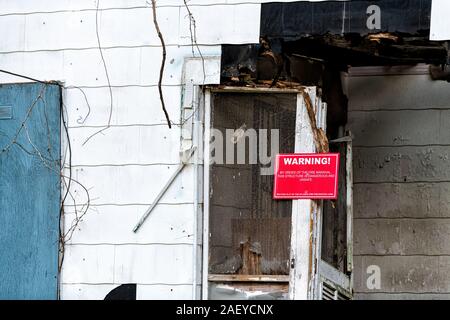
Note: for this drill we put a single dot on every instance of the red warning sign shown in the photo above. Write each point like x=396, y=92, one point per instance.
x=306, y=176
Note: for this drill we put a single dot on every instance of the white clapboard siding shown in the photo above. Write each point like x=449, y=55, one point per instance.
x=115, y=28
x=118, y=264
x=84, y=68
x=153, y=264
x=131, y=106
x=88, y=264
x=13, y=32
x=143, y=292
x=121, y=185
x=86, y=291
x=164, y=292
x=48, y=6
x=33, y=6
x=48, y=65
x=439, y=20
x=133, y=27
x=125, y=145
x=167, y=224
x=215, y=25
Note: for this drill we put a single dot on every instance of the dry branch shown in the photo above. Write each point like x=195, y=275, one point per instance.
x=163, y=63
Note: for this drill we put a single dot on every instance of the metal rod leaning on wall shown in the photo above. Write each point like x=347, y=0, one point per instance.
x=164, y=190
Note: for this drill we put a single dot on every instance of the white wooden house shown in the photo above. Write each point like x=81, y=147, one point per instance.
x=106, y=57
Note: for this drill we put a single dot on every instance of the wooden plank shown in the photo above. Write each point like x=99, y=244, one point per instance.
x=264, y=244
x=439, y=20
x=168, y=224
x=125, y=145
x=86, y=291
x=302, y=211
x=90, y=264
x=402, y=296
x=261, y=90
x=112, y=184
x=248, y=290
x=30, y=192
x=418, y=274
x=128, y=263
x=402, y=237
x=382, y=93
x=407, y=164
x=84, y=68
x=247, y=278
x=132, y=106
x=153, y=264
x=334, y=229
x=350, y=206
x=399, y=128
x=402, y=200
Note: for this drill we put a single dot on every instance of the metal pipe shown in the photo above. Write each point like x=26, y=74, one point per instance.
x=195, y=139
x=206, y=168
x=163, y=191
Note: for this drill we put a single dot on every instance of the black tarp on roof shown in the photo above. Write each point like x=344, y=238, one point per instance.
x=294, y=20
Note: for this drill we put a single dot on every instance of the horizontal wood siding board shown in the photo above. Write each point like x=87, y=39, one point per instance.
x=402, y=296
x=406, y=200
x=397, y=92
x=168, y=224
x=416, y=274
x=400, y=128
x=402, y=237
x=142, y=264
x=409, y=164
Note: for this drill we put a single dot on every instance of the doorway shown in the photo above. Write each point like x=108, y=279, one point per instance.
x=256, y=247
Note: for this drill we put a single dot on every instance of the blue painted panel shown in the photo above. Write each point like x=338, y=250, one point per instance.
x=29, y=191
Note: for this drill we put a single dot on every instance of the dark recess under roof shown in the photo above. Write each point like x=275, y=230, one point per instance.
x=339, y=34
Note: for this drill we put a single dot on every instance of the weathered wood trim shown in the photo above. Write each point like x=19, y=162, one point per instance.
x=247, y=278
x=229, y=89
x=419, y=69
x=349, y=164
x=302, y=211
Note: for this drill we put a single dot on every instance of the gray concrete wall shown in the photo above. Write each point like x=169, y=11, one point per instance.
x=401, y=126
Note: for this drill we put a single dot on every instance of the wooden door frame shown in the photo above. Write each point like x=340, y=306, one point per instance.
x=303, y=243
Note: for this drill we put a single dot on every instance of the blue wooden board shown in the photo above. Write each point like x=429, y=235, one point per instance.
x=29, y=192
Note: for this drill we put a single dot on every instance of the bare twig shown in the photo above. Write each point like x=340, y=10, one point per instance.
x=66, y=235
x=67, y=180
x=27, y=116
x=163, y=63
x=193, y=33
x=82, y=120
x=107, y=78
